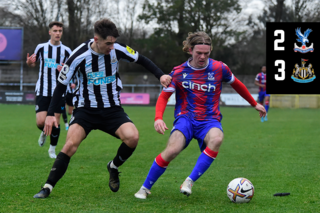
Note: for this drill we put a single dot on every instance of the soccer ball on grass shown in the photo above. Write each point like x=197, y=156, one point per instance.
x=240, y=190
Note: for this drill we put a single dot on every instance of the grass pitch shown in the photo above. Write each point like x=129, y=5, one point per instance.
x=281, y=155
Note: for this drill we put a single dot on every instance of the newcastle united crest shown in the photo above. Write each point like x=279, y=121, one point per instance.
x=303, y=38
x=303, y=74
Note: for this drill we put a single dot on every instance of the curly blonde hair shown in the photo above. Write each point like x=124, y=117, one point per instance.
x=194, y=39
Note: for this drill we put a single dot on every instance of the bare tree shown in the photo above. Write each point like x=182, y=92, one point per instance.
x=279, y=10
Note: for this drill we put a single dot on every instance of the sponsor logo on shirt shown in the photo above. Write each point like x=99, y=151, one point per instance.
x=50, y=63
x=203, y=87
x=99, y=78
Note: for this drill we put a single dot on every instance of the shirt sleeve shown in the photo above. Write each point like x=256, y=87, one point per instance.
x=37, y=52
x=227, y=75
x=69, y=51
x=67, y=72
x=172, y=85
x=124, y=52
x=257, y=77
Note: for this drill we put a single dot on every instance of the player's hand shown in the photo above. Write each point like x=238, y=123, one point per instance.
x=160, y=126
x=59, y=67
x=165, y=80
x=31, y=59
x=49, y=122
x=262, y=111
x=73, y=86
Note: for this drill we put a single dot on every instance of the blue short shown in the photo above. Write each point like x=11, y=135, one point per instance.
x=263, y=94
x=191, y=128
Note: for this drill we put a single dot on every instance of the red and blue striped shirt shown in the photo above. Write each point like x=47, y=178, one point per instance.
x=198, y=90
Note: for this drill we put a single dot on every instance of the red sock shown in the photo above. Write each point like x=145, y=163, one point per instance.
x=210, y=153
x=162, y=163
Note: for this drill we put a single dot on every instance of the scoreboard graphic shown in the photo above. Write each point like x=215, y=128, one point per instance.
x=293, y=58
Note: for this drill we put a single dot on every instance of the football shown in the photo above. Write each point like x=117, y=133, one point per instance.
x=240, y=190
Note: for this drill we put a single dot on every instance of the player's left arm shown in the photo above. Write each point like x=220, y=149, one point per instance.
x=241, y=89
x=128, y=54
x=155, y=70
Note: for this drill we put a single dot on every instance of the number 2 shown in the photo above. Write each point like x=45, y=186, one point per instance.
x=281, y=69
x=280, y=40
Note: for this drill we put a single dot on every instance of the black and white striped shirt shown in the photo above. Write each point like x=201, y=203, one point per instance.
x=99, y=81
x=50, y=57
x=73, y=80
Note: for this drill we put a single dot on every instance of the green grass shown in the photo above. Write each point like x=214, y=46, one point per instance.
x=281, y=155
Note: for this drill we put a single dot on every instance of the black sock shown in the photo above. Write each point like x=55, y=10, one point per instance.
x=41, y=128
x=54, y=137
x=64, y=115
x=58, y=169
x=124, y=152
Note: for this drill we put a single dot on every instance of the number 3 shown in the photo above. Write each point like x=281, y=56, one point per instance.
x=282, y=76
x=280, y=40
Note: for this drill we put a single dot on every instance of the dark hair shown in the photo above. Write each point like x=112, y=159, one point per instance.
x=57, y=23
x=263, y=66
x=196, y=38
x=105, y=28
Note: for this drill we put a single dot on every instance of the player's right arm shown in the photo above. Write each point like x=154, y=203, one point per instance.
x=64, y=78
x=31, y=60
x=256, y=81
x=162, y=101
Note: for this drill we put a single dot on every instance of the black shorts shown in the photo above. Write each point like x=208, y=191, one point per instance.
x=107, y=120
x=43, y=103
x=62, y=104
x=69, y=98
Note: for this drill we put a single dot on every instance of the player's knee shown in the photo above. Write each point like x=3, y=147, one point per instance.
x=40, y=124
x=171, y=153
x=69, y=148
x=215, y=143
x=131, y=139
x=218, y=140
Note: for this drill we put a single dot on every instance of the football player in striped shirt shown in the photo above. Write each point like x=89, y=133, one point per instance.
x=261, y=82
x=197, y=83
x=71, y=94
x=50, y=54
x=96, y=64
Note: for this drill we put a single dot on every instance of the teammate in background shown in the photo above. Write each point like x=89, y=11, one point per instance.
x=50, y=54
x=197, y=84
x=261, y=81
x=98, y=106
